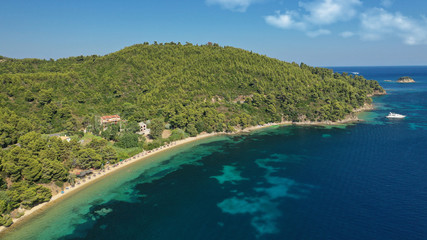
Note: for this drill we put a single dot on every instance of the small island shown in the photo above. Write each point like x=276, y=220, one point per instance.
x=405, y=79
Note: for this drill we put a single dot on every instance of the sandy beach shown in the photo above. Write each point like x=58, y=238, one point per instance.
x=99, y=174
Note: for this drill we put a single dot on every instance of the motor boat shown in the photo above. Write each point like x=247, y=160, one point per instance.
x=395, y=115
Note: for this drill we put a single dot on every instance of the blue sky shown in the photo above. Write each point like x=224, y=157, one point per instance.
x=316, y=32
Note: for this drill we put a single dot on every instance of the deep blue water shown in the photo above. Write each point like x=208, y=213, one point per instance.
x=360, y=181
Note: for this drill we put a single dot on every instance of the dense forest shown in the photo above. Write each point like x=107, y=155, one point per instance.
x=183, y=87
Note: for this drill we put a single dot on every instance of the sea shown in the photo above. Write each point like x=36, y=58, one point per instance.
x=364, y=180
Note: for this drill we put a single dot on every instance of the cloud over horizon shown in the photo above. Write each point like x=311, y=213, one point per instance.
x=373, y=23
x=317, y=18
x=378, y=23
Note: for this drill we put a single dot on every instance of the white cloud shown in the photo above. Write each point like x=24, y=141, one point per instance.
x=318, y=33
x=234, y=5
x=316, y=13
x=330, y=11
x=347, y=34
x=285, y=21
x=288, y=21
x=377, y=23
x=386, y=3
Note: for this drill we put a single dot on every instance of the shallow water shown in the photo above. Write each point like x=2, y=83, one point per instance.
x=356, y=181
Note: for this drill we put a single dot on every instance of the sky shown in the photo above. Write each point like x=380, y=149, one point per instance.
x=316, y=32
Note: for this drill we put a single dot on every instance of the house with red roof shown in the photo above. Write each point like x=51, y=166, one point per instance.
x=110, y=119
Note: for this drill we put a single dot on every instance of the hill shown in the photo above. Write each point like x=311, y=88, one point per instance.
x=208, y=86
x=190, y=88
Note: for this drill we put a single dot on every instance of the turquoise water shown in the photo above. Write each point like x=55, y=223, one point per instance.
x=355, y=181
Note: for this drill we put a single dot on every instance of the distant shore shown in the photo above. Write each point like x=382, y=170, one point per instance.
x=99, y=174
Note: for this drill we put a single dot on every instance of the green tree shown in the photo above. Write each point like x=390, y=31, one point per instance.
x=32, y=171
x=18, y=159
x=88, y=158
x=29, y=96
x=6, y=220
x=111, y=133
x=156, y=128
x=191, y=129
x=53, y=171
x=177, y=134
x=45, y=96
x=128, y=140
x=132, y=127
x=3, y=206
x=200, y=126
x=3, y=184
x=108, y=154
x=32, y=141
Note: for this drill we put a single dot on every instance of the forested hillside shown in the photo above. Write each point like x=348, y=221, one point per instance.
x=190, y=88
x=182, y=84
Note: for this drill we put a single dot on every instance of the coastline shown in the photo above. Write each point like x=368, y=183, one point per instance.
x=95, y=177
x=99, y=175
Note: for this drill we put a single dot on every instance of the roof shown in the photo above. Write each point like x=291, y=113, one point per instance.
x=110, y=116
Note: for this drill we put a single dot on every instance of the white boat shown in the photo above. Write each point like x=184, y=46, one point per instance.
x=395, y=115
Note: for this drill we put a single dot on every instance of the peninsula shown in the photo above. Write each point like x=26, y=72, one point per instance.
x=55, y=114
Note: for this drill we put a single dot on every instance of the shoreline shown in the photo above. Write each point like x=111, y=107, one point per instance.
x=99, y=175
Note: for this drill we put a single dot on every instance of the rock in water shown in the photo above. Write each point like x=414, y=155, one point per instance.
x=405, y=80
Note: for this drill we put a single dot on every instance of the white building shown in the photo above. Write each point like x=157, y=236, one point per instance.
x=143, y=130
